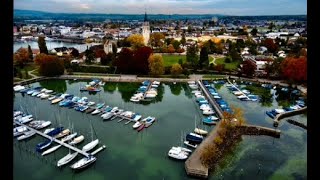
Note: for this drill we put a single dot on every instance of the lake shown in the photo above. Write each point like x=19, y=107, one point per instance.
x=143, y=155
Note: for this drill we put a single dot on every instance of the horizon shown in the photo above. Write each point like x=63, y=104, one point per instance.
x=224, y=7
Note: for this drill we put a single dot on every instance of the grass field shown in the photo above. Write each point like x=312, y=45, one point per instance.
x=229, y=66
x=169, y=60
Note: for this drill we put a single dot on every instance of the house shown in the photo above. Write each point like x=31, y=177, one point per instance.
x=259, y=63
x=107, y=47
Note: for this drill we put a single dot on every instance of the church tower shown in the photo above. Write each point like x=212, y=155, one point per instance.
x=146, y=30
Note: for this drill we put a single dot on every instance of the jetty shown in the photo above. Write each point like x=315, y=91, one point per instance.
x=55, y=140
x=238, y=89
x=288, y=114
x=297, y=123
x=148, y=88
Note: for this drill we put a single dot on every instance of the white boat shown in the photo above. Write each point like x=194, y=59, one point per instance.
x=182, y=149
x=51, y=150
x=44, y=96
x=237, y=93
x=17, y=131
x=156, y=82
x=84, y=162
x=188, y=143
x=40, y=94
x=193, y=86
x=43, y=90
x=17, y=113
x=178, y=154
x=48, y=91
x=148, y=121
x=137, y=124
x=77, y=140
x=35, y=93
x=135, y=98
x=69, y=137
x=216, y=97
x=137, y=117
x=91, y=103
x=242, y=97
x=279, y=111
x=200, y=131
x=52, y=98
x=90, y=145
x=26, y=135
x=97, y=111
x=46, y=131
x=43, y=125
x=208, y=112
x=66, y=159
x=107, y=115
x=150, y=95
x=54, y=101
x=25, y=120
x=196, y=91
x=18, y=88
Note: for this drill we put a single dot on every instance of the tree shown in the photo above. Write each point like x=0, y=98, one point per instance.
x=136, y=41
x=183, y=39
x=254, y=32
x=192, y=55
x=176, y=69
x=42, y=45
x=176, y=44
x=168, y=41
x=75, y=52
x=204, y=58
x=114, y=48
x=30, y=53
x=273, y=67
x=248, y=68
x=107, y=59
x=49, y=65
x=156, y=65
x=124, y=60
x=227, y=60
x=171, y=49
x=156, y=39
x=89, y=56
x=272, y=47
x=21, y=57
x=140, y=60
x=295, y=69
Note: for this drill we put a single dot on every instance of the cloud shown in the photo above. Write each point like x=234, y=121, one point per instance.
x=230, y=7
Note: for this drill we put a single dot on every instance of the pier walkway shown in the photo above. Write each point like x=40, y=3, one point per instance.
x=56, y=140
x=288, y=114
x=210, y=100
x=238, y=89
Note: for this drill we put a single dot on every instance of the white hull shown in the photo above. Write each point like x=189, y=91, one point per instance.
x=83, y=162
x=68, y=138
x=200, y=131
x=77, y=140
x=66, y=159
x=26, y=135
x=90, y=145
x=51, y=150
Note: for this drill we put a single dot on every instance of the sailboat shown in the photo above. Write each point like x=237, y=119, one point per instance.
x=51, y=150
x=84, y=162
x=198, y=130
x=91, y=144
x=66, y=159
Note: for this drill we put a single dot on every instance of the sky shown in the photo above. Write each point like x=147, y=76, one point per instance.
x=226, y=7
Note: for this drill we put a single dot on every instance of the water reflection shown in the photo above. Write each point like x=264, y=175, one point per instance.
x=110, y=87
x=187, y=91
x=175, y=88
x=59, y=86
x=127, y=90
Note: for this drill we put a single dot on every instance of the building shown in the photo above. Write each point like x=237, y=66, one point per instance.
x=145, y=30
x=107, y=47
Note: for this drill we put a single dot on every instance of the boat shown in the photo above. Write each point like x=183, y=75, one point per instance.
x=135, y=98
x=17, y=113
x=89, y=110
x=35, y=93
x=208, y=112
x=26, y=135
x=40, y=94
x=200, y=131
x=178, y=154
x=211, y=120
x=24, y=120
x=84, y=162
x=44, y=96
x=18, y=88
x=107, y=115
x=69, y=137
x=91, y=103
x=63, y=133
x=66, y=159
x=141, y=127
x=90, y=145
x=137, y=117
x=43, y=125
x=190, y=144
x=182, y=149
x=100, y=105
x=51, y=150
x=83, y=108
x=17, y=131
x=48, y=91
x=55, y=131
x=237, y=93
x=148, y=121
x=46, y=131
x=137, y=124
x=96, y=111
x=41, y=146
x=77, y=140
x=195, y=138
x=56, y=100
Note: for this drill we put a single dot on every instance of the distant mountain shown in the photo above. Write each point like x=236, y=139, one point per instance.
x=20, y=15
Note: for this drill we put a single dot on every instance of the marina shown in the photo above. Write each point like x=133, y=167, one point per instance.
x=175, y=108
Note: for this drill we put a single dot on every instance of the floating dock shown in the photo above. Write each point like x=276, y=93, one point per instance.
x=238, y=89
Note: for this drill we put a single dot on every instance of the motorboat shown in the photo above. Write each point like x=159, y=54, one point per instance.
x=41, y=146
x=148, y=121
x=35, y=93
x=90, y=145
x=46, y=131
x=242, y=97
x=141, y=127
x=237, y=93
x=26, y=135
x=100, y=105
x=137, y=124
x=55, y=131
x=40, y=94
x=96, y=111
x=208, y=112
x=190, y=144
x=17, y=131
x=24, y=120
x=89, y=110
x=182, y=149
x=35, y=124
x=84, y=162
x=83, y=108
x=51, y=150
x=200, y=131
x=136, y=98
x=136, y=117
x=54, y=101
x=43, y=125
x=195, y=138
x=17, y=113
x=211, y=120
x=107, y=115
x=77, y=140
x=44, y=96
x=91, y=103
x=69, y=137
x=66, y=159
x=18, y=88
x=178, y=154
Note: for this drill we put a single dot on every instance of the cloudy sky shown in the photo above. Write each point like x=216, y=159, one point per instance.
x=228, y=7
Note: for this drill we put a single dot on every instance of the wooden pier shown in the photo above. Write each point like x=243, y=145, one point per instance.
x=288, y=114
x=148, y=88
x=56, y=140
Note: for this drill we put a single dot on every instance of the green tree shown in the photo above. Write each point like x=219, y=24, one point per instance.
x=176, y=69
x=30, y=53
x=89, y=56
x=192, y=55
x=227, y=60
x=114, y=48
x=183, y=39
x=42, y=45
x=204, y=58
x=156, y=65
x=176, y=44
x=254, y=32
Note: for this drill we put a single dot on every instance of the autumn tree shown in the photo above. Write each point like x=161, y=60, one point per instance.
x=89, y=56
x=156, y=65
x=295, y=69
x=124, y=60
x=273, y=67
x=42, y=45
x=176, y=44
x=30, y=53
x=140, y=60
x=192, y=55
x=248, y=68
x=21, y=57
x=156, y=39
x=183, y=39
x=176, y=69
x=136, y=41
x=204, y=58
x=49, y=65
x=269, y=43
x=171, y=49
x=75, y=52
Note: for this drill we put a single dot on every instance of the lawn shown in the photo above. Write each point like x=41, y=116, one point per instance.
x=169, y=60
x=229, y=66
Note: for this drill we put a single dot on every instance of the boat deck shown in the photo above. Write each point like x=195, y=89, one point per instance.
x=238, y=89
x=56, y=140
x=144, y=94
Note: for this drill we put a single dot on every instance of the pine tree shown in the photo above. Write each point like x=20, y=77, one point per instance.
x=42, y=45
x=30, y=53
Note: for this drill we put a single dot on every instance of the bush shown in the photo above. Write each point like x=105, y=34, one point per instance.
x=227, y=60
